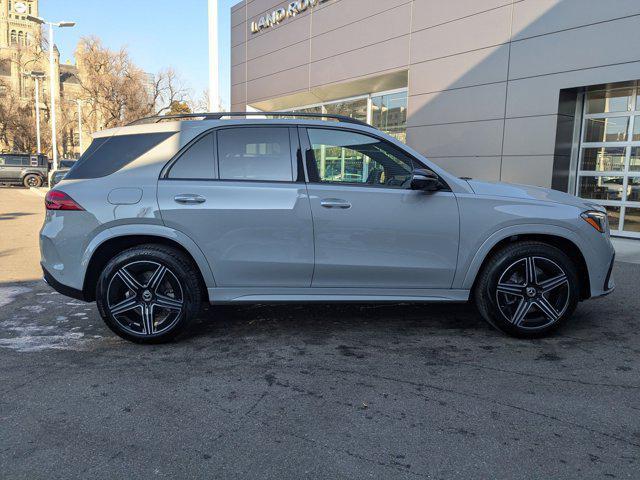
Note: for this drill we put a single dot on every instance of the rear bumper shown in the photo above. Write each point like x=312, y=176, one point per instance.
x=63, y=289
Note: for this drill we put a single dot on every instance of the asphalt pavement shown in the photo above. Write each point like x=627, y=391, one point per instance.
x=311, y=391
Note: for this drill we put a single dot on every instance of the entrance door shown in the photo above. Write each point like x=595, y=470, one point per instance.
x=371, y=229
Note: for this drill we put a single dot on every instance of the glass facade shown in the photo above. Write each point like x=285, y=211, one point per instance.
x=609, y=162
x=386, y=111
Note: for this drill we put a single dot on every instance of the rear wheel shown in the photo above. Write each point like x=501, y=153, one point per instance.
x=32, y=180
x=149, y=294
x=528, y=289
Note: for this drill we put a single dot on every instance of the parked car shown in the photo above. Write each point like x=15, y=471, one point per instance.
x=156, y=218
x=23, y=169
x=61, y=172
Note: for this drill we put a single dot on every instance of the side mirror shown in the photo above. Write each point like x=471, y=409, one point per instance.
x=422, y=179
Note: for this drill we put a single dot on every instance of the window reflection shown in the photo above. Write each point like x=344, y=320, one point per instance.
x=634, y=161
x=613, y=129
x=354, y=108
x=603, y=159
x=610, y=100
x=633, y=189
x=601, y=188
x=349, y=157
x=613, y=214
x=389, y=114
x=632, y=220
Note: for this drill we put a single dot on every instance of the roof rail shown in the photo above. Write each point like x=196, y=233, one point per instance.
x=220, y=115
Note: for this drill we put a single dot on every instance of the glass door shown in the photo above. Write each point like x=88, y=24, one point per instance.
x=609, y=162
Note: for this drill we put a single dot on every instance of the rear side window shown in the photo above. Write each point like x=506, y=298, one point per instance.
x=198, y=162
x=109, y=154
x=13, y=161
x=262, y=153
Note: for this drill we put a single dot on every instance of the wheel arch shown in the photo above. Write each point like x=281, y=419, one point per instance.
x=560, y=239
x=102, y=250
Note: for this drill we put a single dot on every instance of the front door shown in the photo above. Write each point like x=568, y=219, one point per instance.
x=371, y=229
x=247, y=210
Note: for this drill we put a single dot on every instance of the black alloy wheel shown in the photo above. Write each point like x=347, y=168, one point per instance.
x=528, y=289
x=149, y=294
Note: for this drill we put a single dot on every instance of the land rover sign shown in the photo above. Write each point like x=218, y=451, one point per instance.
x=281, y=14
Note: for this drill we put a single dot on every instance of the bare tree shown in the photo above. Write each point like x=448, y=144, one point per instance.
x=168, y=91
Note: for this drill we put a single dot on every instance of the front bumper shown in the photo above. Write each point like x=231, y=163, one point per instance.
x=60, y=288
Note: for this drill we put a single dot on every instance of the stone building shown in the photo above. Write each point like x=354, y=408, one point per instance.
x=21, y=52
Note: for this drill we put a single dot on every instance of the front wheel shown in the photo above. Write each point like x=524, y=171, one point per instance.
x=528, y=289
x=149, y=294
x=32, y=180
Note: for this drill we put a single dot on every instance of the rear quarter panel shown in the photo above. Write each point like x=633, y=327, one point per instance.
x=68, y=238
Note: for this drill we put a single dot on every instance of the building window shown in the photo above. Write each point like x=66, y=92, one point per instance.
x=14, y=37
x=609, y=161
x=386, y=111
x=20, y=38
x=389, y=114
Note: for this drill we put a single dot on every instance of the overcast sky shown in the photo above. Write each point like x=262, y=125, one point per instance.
x=158, y=33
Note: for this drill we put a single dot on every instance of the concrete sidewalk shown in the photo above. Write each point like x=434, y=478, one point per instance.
x=627, y=250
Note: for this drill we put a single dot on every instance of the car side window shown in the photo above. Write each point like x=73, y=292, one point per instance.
x=255, y=153
x=12, y=161
x=349, y=157
x=197, y=162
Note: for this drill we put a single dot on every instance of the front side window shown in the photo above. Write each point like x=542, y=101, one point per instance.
x=349, y=157
x=255, y=153
x=198, y=162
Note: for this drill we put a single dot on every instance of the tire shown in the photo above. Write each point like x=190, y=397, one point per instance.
x=523, y=305
x=149, y=294
x=32, y=181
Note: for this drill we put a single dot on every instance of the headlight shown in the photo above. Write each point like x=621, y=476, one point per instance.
x=597, y=220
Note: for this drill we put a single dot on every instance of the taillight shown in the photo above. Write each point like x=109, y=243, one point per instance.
x=57, y=200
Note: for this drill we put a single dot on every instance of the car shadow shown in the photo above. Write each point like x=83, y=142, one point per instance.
x=323, y=319
x=14, y=215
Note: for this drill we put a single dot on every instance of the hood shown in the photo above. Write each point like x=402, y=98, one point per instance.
x=528, y=192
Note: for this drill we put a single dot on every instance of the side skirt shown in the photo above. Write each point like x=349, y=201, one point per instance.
x=221, y=295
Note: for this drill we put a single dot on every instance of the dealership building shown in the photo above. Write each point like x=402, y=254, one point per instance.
x=540, y=92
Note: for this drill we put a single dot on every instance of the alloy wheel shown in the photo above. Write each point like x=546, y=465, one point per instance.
x=145, y=298
x=533, y=293
x=33, y=182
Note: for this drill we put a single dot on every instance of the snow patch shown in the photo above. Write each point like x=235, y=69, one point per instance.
x=9, y=294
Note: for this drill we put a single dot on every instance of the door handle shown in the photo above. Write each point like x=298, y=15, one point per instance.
x=335, y=203
x=189, y=199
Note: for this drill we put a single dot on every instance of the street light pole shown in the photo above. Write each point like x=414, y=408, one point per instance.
x=80, y=123
x=52, y=89
x=37, y=76
x=52, y=92
x=38, y=114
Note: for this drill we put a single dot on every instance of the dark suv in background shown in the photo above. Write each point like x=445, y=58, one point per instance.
x=23, y=169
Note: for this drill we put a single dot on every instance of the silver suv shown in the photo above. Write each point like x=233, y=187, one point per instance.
x=157, y=217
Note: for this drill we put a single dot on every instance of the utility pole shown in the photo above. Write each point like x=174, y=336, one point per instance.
x=52, y=89
x=214, y=63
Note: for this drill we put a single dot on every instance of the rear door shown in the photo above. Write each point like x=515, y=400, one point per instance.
x=239, y=193
x=371, y=229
